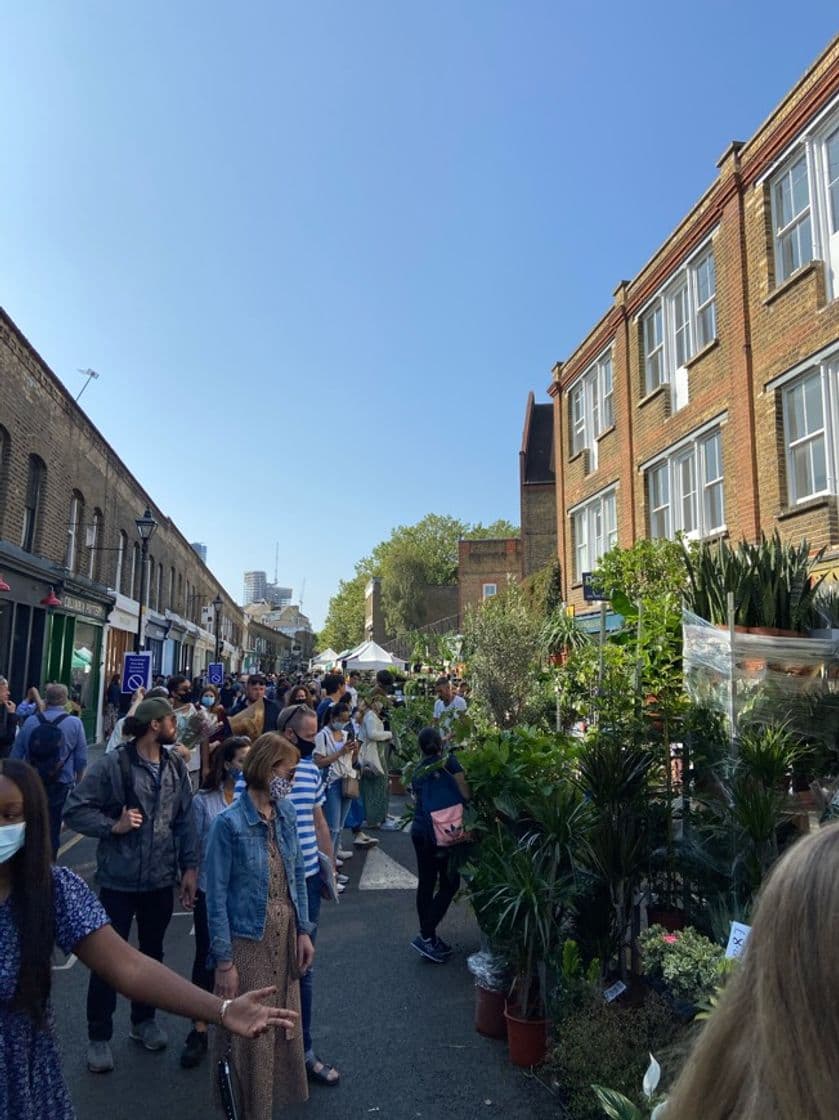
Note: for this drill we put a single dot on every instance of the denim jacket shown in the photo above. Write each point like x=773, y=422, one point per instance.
x=237, y=874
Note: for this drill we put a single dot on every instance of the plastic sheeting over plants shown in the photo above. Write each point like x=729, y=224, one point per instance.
x=776, y=678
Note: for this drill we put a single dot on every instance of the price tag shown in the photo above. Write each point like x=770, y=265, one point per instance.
x=737, y=939
x=616, y=990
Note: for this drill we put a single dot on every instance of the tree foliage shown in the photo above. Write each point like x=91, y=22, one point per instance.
x=412, y=558
x=502, y=648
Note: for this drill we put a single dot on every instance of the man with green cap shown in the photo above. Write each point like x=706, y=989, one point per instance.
x=137, y=801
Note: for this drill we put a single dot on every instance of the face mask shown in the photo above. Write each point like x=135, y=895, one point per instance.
x=235, y=773
x=305, y=746
x=279, y=788
x=339, y=726
x=11, y=840
x=208, y=701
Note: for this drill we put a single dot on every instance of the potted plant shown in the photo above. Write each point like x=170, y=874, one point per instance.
x=560, y=634
x=522, y=890
x=683, y=964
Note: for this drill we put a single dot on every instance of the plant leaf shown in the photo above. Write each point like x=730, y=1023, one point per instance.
x=616, y=1105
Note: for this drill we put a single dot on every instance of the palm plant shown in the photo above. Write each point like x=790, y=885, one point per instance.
x=615, y=779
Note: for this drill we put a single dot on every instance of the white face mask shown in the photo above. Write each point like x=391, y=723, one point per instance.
x=12, y=837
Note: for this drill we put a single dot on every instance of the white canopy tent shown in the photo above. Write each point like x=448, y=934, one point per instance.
x=370, y=656
x=324, y=660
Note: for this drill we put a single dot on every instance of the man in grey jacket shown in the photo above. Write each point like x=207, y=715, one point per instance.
x=137, y=801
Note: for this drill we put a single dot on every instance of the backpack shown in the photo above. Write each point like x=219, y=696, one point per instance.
x=443, y=803
x=46, y=748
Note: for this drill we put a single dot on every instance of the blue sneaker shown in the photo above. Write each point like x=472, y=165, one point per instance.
x=428, y=949
x=443, y=946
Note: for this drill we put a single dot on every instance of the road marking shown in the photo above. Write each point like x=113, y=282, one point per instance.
x=71, y=960
x=70, y=844
x=382, y=873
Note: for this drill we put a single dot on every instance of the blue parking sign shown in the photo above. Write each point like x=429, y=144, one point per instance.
x=215, y=673
x=136, y=671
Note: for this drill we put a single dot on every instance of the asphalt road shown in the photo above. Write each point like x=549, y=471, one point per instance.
x=398, y=1027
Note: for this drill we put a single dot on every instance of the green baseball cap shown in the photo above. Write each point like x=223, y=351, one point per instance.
x=154, y=708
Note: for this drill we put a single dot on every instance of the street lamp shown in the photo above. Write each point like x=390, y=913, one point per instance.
x=146, y=526
x=218, y=603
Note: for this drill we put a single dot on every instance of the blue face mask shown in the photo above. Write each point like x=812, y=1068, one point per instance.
x=12, y=837
x=235, y=773
x=339, y=726
x=208, y=701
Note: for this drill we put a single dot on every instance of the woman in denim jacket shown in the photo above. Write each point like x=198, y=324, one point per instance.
x=259, y=920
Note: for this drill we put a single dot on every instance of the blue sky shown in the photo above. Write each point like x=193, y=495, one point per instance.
x=320, y=252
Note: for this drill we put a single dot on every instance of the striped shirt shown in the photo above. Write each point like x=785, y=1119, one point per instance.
x=307, y=793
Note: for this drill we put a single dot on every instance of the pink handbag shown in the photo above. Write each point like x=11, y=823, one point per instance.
x=448, y=826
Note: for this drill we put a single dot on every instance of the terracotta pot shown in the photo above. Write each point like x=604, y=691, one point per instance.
x=527, y=1038
x=395, y=784
x=671, y=918
x=489, y=1013
x=775, y=632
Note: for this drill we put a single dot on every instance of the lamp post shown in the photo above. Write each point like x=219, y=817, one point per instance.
x=217, y=605
x=146, y=526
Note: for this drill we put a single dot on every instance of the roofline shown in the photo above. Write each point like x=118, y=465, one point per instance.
x=86, y=421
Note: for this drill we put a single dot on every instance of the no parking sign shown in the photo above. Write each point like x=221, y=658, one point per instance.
x=215, y=673
x=136, y=671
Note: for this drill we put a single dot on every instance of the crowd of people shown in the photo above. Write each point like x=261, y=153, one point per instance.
x=239, y=810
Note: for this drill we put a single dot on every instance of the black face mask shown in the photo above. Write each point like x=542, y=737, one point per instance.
x=305, y=746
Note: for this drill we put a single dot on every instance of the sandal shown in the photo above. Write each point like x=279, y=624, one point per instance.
x=322, y=1075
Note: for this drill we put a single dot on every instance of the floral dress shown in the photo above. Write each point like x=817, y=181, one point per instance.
x=31, y=1083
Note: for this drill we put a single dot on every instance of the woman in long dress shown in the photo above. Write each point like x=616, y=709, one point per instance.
x=258, y=916
x=374, y=781
x=42, y=906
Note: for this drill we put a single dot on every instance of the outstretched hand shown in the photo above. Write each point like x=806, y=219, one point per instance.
x=250, y=1017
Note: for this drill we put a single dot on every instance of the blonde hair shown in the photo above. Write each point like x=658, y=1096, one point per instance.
x=265, y=753
x=769, y=1051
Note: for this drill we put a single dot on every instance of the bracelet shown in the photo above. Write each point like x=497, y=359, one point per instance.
x=225, y=1003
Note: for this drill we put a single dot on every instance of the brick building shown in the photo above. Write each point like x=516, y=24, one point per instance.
x=484, y=568
x=537, y=485
x=68, y=506
x=706, y=399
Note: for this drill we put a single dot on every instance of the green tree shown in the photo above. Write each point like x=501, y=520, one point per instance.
x=344, y=626
x=411, y=559
x=647, y=569
x=502, y=649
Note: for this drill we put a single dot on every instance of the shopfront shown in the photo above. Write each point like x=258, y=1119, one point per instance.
x=75, y=652
x=121, y=635
x=23, y=618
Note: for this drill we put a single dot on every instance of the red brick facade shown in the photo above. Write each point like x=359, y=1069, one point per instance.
x=766, y=327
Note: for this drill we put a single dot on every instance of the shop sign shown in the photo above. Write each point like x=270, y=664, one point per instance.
x=82, y=606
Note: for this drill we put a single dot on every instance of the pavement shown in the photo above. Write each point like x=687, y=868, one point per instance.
x=399, y=1028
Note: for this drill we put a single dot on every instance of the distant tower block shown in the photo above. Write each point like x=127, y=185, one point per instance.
x=256, y=587
x=200, y=549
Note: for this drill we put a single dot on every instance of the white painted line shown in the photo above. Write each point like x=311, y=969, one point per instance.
x=71, y=960
x=70, y=844
x=382, y=873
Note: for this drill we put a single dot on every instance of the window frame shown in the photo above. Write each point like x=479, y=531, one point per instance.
x=827, y=374
x=118, y=571
x=667, y=472
x=801, y=155
x=486, y=593
x=74, y=525
x=590, y=543
x=682, y=287
x=33, y=502
x=591, y=405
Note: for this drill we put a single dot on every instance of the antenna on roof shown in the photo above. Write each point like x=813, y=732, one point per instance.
x=91, y=375
x=302, y=591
